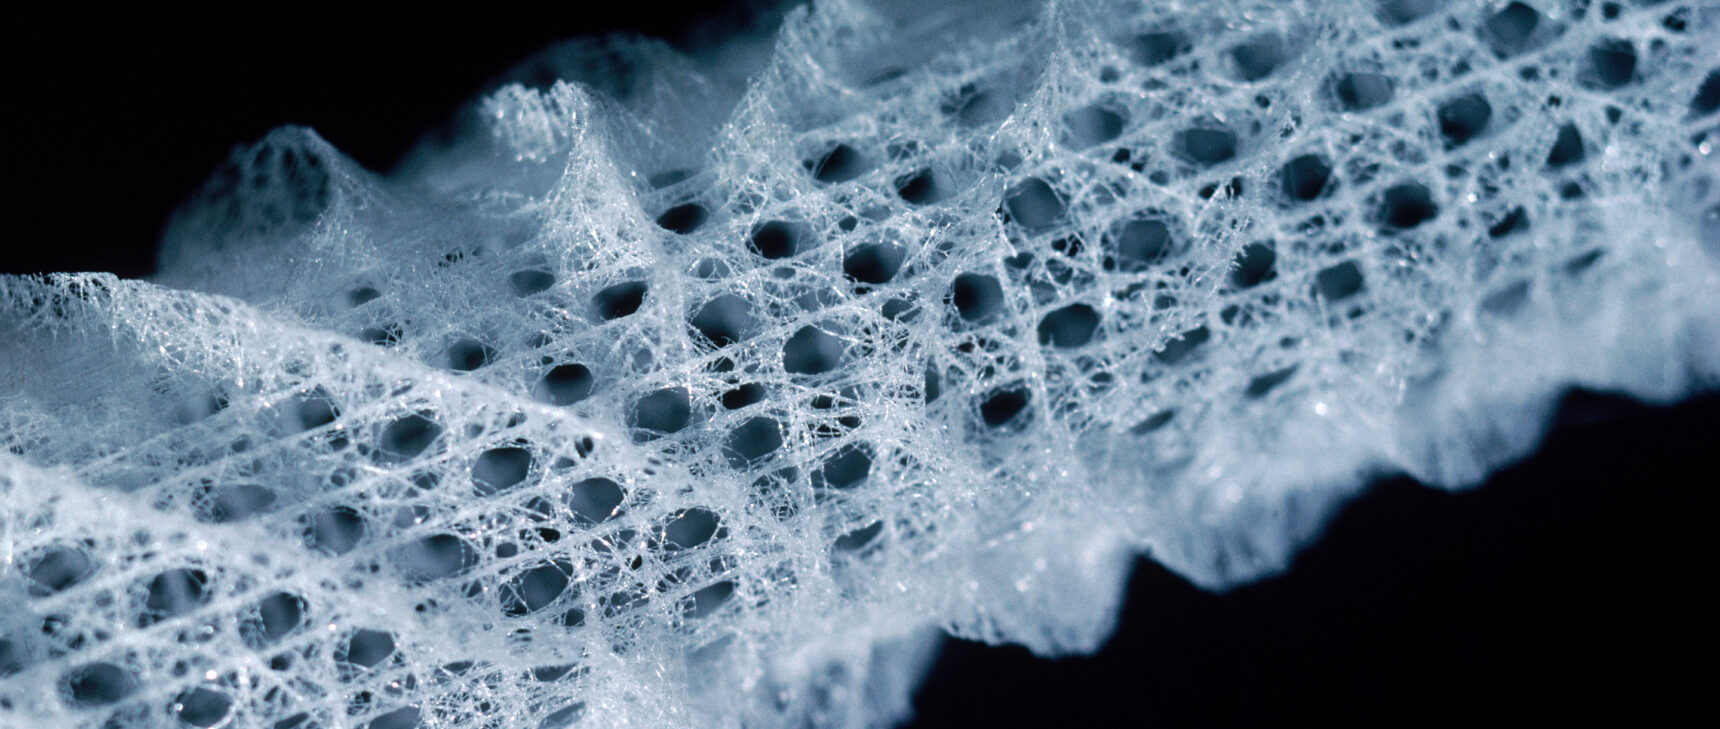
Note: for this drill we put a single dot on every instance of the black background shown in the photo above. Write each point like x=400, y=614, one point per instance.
x=1579, y=586
x=120, y=118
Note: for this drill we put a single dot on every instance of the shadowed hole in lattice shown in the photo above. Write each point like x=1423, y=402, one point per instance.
x=312, y=409
x=744, y=395
x=202, y=707
x=1515, y=221
x=362, y=295
x=465, y=355
x=1183, y=345
x=384, y=335
x=873, y=263
x=1304, y=178
x=1582, y=262
x=977, y=297
x=1612, y=63
x=1092, y=124
x=1567, y=147
x=972, y=106
x=406, y=718
x=669, y=177
x=1510, y=30
x=366, y=648
x=1339, y=281
x=840, y=163
x=1152, y=49
x=859, y=538
x=684, y=218
x=919, y=187
x=197, y=406
x=690, y=529
x=59, y=568
x=811, y=351
x=1507, y=300
x=500, y=469
x=564, y=384
x=526, y=283
x=619, y=602
x=97, y=684
x=1259, y=56
x=1399, y=12
x=334, y=531
x=724, y=320
x=1034, y=205
x=1361, y=91
x=846, y=467
x=1260, y=386
x=237, y=502
x=14, y=656
x=1406, y=205
x=277, y=616
x=835, y=403
x=433, y=558
x=172, y=593
x=1070, y=326
x=535, y=588
x=1135, y=245
x=619, y=300
x=594, y=500
x=407, y=437
x=550, y=674
x=1153, y=422
x=1707, y=98
x=709, y=598
x=1005, y=406
x=1255, y=264
x=752, y=440
x=1205, y=145
x=1463, y=118
x=571, y=618
x=541, y=509
x=899, y=309
x=661, y=412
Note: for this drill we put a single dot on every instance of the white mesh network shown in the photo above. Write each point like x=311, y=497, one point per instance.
x=707, y=399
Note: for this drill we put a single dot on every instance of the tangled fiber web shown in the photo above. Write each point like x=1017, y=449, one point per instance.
x=705, y=392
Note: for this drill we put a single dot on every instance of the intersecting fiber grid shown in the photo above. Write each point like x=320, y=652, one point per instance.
x=704, y=392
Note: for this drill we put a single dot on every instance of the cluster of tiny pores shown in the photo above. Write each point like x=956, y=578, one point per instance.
x=577, y=428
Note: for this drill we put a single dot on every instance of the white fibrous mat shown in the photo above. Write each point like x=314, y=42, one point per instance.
x=705, y=392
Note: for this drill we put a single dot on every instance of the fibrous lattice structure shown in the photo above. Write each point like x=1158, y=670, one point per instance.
x=676, y=394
